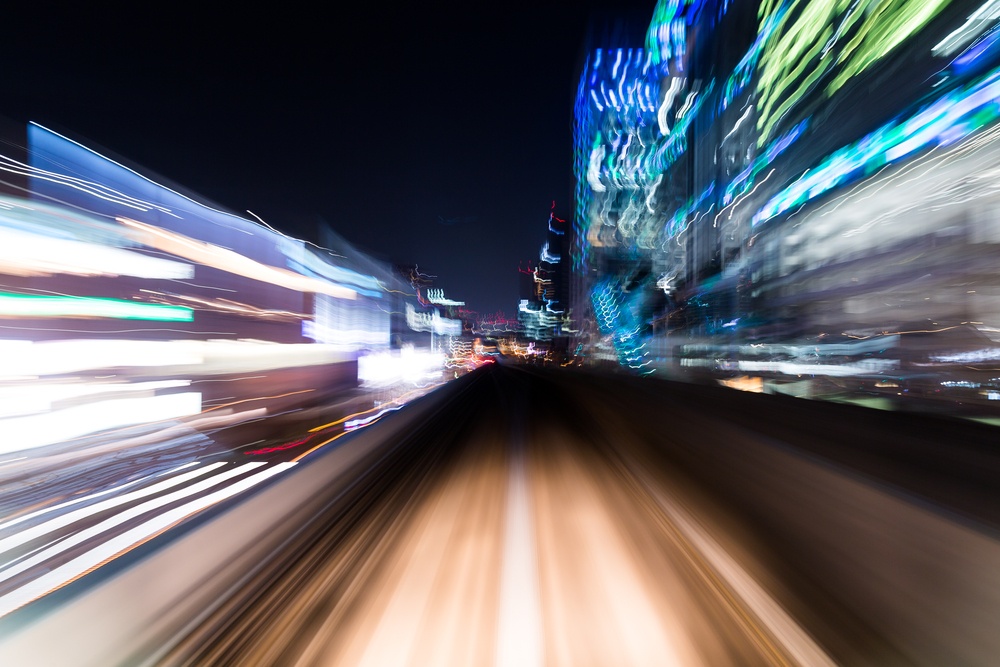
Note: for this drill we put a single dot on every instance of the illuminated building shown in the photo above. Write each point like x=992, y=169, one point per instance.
x=235, y=276
x=148, y=301
x=542, y=310
x=739, y=184
x=623, y=119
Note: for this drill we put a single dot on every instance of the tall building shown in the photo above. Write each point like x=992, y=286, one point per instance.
x=542, y=310
x=623, y=138
x=774, y=172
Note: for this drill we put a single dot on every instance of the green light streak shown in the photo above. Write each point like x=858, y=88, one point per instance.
x=790, y=64
x=663, y=14
x=808, y=44
x=888, y=26
x=769, y=118
x=22, y=305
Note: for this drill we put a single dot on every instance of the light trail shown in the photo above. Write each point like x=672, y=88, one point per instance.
x=117, y=520
x=52, y=525
x=83, y=499
x=125, y=542
x=519, y=629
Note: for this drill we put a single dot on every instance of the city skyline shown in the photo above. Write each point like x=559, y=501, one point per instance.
x=437, y=136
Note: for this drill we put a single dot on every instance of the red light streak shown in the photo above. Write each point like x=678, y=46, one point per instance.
x=268, y=450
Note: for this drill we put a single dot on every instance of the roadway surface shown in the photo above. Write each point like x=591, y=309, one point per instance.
x=70, y=508
x=521, y=517
x=548, y=519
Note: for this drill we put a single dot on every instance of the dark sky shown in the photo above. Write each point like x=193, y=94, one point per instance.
x=437, y=133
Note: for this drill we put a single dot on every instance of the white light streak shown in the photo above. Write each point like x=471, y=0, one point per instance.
x=737, y=125
x=668, y=100
x=23, y=433
x=131, y=538
x=688, y=103
x=519, y=629
x=977, y=23
x=64, y=520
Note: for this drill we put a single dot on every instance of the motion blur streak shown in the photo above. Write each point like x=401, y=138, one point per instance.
x=83, y=499
x=796, y=199
x=800, y=646
x=779, y=212
x=70, y=517
x=143, y=332
x=518, y=516
x=519, y=639
x=547, y=519
x=130, y=539
x=117, y=520
x=231, y=262
x=399, y=400
x=61, y=425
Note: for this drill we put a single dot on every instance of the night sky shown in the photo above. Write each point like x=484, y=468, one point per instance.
x=436, y=134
